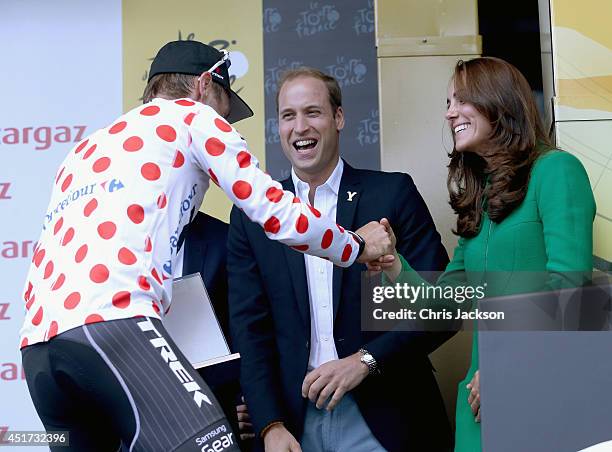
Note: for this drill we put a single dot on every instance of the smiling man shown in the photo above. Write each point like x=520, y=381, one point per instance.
x=312, y=379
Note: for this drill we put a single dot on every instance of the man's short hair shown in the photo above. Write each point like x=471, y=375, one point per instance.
x=169, y=86
x=333, y=89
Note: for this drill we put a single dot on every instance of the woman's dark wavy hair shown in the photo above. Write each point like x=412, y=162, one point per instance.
x=502, y=95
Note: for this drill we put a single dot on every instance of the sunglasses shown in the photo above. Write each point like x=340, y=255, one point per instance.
x=224, y=59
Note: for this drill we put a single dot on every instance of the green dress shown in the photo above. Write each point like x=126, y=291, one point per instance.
x=550, y=233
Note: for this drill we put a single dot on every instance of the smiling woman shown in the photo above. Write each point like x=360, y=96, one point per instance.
x=523, y=207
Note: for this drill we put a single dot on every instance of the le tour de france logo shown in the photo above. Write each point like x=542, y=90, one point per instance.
x=274, y=72
x=348, y=71
x=272, y=136
x=317, y=19
x=369, y=129
x=272, y=19
x=239, y=62
x=363, y=21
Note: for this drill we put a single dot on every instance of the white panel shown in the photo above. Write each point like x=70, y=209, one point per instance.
x=61, y=68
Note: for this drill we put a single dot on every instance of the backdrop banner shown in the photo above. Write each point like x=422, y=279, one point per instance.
x=62, y=80
x=337, y=38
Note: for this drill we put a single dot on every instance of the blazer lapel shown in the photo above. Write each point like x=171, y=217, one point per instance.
x=297, y=271
x=348, y=199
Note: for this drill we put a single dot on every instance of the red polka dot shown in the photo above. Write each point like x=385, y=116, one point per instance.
x=166, y=133
x=48, y=270
x=222, y=125
x=37, y=317
x=155, y=307
x=58, y=226
x=314, y=211
x=133, y=144
x=242, y=189
x=59, y=175
x=184, y=102
x=89, y=152
x=26, y=295
x=59, y=282
x=126, y=257
x=107, y=230
x=162, y=201
x=300, y=247
x=66, y=182
x=244, y=159
x=72, y=300
x=214, y=147
x=38, y=257
x=151, y=110
x=121, y=300
x=328, y=238
x=213, y=176
x=52, y=330
x=272, y=225
x=68, y=236
x=24, y=342
x=301, y=224
x=340, y=228
x=189, y=118
x=296, y=200
x=81, y=146
x=93, y=318
x=101, y=164
x=156, y=276
x=135, y=213
x=80, y=254
x=99, y=273
x=148, y=244
x=30, y=302
x=90, y=207
x=346, y=254
x=116, y=128
x=143, y=283
x=274, y=194
x=150, y=171
x=179, y=159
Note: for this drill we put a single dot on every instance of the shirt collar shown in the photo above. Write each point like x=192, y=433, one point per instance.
x=332, y=182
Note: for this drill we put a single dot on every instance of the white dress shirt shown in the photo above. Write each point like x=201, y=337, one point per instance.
x=319, y=272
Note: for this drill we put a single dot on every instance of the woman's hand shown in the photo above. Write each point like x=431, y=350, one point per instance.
x=474, y=396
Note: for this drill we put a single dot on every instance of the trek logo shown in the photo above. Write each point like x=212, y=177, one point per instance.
x=4, y=311
x=42, y=136
x=175, y=365
x=4, y=188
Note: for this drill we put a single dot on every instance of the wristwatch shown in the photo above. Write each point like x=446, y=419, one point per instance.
x=360, y=241
x=368, y=360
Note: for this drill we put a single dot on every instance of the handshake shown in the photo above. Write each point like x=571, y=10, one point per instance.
x=379, y=252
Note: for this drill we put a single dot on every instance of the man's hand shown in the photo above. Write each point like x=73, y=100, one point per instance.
x=245, y=427
x=279, y=439
x=389, y=263
x=377, y=241
x=334, y=379
x=474, y=397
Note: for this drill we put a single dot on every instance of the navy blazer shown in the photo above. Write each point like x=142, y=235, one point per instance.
x=206, y=252
x=270, y=319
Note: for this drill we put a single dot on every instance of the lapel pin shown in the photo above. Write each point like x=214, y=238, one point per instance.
x=351, y=195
